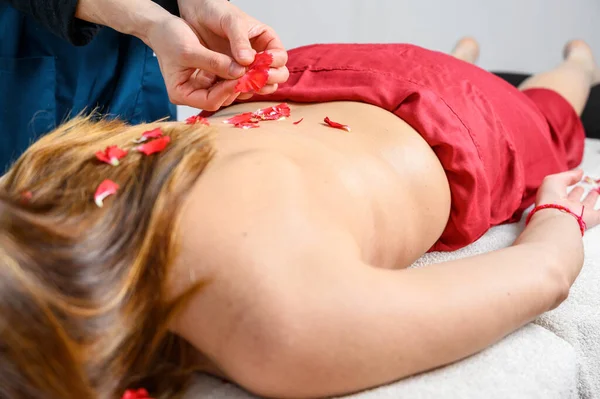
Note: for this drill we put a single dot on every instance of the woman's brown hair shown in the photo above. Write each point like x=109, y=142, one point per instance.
x=83, y=306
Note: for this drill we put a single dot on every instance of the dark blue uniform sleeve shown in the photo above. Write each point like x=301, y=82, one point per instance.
x=58, y=16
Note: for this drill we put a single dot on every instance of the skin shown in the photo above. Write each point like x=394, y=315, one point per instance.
x=202, y=54
x=304, y=242
x=304, y=234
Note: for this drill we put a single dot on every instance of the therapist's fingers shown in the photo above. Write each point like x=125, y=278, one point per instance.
x=278, y=75
x=264, y=38
x=231, y=99
x=268, y=89
x=199, y=80
x=236, y=28
x=202, y=79
x=245, y=96
x=208, y=99
x=212, y=62
x=280, y=58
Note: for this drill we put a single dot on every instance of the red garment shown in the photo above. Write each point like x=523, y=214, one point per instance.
x=495, y=143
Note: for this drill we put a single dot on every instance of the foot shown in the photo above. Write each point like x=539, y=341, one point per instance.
x=467, y=49
x=579, y=51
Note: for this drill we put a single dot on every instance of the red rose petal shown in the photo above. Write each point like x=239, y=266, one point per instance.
x=111, y=155
x=26, y=196
x=298, y=122
x=247, y=125
x=136, y=394
x=257, y=74
x=253, y=80
x=337, y=125
x=273, y=113
x=207, y=114
x=597, y=190
x=105, y=189
x=241, y=118
x=192, y=120
x=250, y=119
x=262, y=60
x=150, y=134
x=154, y=146
x=153, y=134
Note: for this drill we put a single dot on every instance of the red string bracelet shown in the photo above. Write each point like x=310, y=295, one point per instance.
x=582, y=225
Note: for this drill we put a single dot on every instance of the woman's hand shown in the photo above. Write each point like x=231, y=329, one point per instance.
x=554, y=191
x=225, y=29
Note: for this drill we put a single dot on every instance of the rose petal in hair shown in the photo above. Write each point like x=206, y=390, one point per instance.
x=257, y=74
x=154, y=146
x=111, y=155
x=136, y=394
x=26, y=196
x=336, y=125
x=105, y=189
x=192, y=120
x=150, y=134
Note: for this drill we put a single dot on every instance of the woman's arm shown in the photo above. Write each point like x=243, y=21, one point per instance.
x=368, y=326
x=344, y=329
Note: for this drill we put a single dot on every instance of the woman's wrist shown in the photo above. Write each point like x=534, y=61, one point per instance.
x=551, y=213
x=555, y=223
x=563, y=209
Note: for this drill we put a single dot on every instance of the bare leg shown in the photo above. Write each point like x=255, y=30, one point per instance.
x=573, y=78
x=467, y=49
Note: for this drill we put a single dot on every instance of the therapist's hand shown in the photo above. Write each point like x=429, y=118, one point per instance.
x=190, y=69
x=224, y=28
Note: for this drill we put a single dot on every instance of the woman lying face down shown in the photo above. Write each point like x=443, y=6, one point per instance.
x=276, y=257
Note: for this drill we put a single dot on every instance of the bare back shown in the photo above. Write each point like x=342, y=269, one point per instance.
x=276, y=198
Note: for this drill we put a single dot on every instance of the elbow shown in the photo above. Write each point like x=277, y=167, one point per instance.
x=272, y=377
x=277, y=359
x=564, y=268
x=561, y=293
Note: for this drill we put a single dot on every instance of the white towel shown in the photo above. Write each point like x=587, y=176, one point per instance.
x=557, y=357
x=577, y=320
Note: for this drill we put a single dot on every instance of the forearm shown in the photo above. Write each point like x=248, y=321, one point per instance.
x=560, y=234
x=133, y=17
